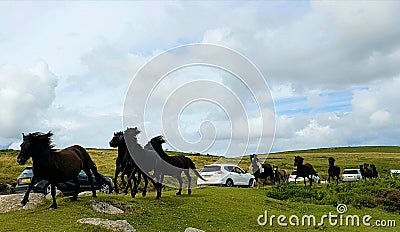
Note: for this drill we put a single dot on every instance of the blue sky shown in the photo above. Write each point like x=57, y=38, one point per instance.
x=332, y=69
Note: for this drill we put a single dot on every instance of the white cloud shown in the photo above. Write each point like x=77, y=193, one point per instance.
x=25, y=96
x=304, y=49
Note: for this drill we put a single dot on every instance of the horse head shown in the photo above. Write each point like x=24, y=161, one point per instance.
x=158, y=140
x=31, y=143
x=275, y=168
x=117, y=139
x=132, y=132
x=331, y=161
x=298, y=160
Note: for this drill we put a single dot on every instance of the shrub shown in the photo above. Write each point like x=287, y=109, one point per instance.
x=381, y=191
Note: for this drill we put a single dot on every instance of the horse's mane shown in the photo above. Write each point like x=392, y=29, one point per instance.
x=41, y=139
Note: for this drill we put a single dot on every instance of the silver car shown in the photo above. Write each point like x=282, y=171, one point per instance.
x=225, y=174
x=350, y=175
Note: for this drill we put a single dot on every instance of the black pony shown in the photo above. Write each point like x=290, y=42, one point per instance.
x=367, y=171
x=333, y=171
x=126, y=164
x=304, y=170
x=374, y=171
x=146, y=160
x=267, y=172
x=56, y=167
x=174, y=165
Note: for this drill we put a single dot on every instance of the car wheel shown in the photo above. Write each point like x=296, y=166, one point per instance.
x=105, y=188
x=251, y=182
x=229, y=183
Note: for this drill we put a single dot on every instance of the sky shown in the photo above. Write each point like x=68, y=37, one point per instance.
x=332, y=68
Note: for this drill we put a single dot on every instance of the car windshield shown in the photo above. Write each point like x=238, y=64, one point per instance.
x=294, y=173
x=350, y=172
x=210, y=169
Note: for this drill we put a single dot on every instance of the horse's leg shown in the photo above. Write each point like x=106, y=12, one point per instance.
x=295, y=180
x=90, y=178
x=77, y=184
x=136, y=184
x=179, y=178
x=116, y=189
x=189, y=181
x=305, y=182
x=146, y=182
x=53, y=195
x=26, y=196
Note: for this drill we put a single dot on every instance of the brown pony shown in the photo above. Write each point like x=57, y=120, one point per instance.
x=280, y=174
x=56, y=167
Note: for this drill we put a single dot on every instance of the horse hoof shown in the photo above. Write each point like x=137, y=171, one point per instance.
x=74, y=198
x=53, y=207
x=143, y=194
x=23, y=202
x=178, y=193
x=189, y=192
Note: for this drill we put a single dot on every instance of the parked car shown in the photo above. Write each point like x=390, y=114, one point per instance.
x=293, y=175
x=67, y=188
x=350, y=175
x=225, y=174
x=395, y=173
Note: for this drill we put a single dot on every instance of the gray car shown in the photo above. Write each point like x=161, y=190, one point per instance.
x=67, y=188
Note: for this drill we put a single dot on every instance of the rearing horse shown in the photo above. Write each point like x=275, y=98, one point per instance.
x=56, y=167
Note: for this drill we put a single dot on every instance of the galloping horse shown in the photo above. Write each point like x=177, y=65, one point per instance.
x=303, y=170
x=145, y=159
x=56, y=167
x=126, y=164
x=174, y=165
x=280, y=174
x=333, y=171
x=268, y=171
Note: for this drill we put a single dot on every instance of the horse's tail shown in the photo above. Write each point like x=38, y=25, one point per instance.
x=89, y=164
x=193, y=167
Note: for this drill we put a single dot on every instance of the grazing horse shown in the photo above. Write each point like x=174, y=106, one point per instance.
x=146, y=160
x=268, y=171
x=174, y=165
x=374, y=171
x=125, y=164
x=56, y=167
x=304, y=170
x=333, y=171
x=280, y=174
x=367, y=171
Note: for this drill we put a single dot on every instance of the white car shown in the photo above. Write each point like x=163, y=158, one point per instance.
x=350, y=175
x=395, y=173
x=293, y=175
x=225, y=174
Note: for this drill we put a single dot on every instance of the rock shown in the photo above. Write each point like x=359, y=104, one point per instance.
x=191, y=229
x=118, y=225
x=12, y=202
x=106, y=208
x=85, y=193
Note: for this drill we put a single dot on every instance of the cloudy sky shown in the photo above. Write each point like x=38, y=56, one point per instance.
x=333, y=69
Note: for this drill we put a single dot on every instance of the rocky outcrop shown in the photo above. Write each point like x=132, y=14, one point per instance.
x=106, y=208
x=118, y=225
x=11, y=202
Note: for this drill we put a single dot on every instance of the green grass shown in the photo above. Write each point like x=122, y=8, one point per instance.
x=220, y=208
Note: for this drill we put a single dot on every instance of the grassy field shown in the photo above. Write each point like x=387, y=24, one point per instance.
x=220, y=208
